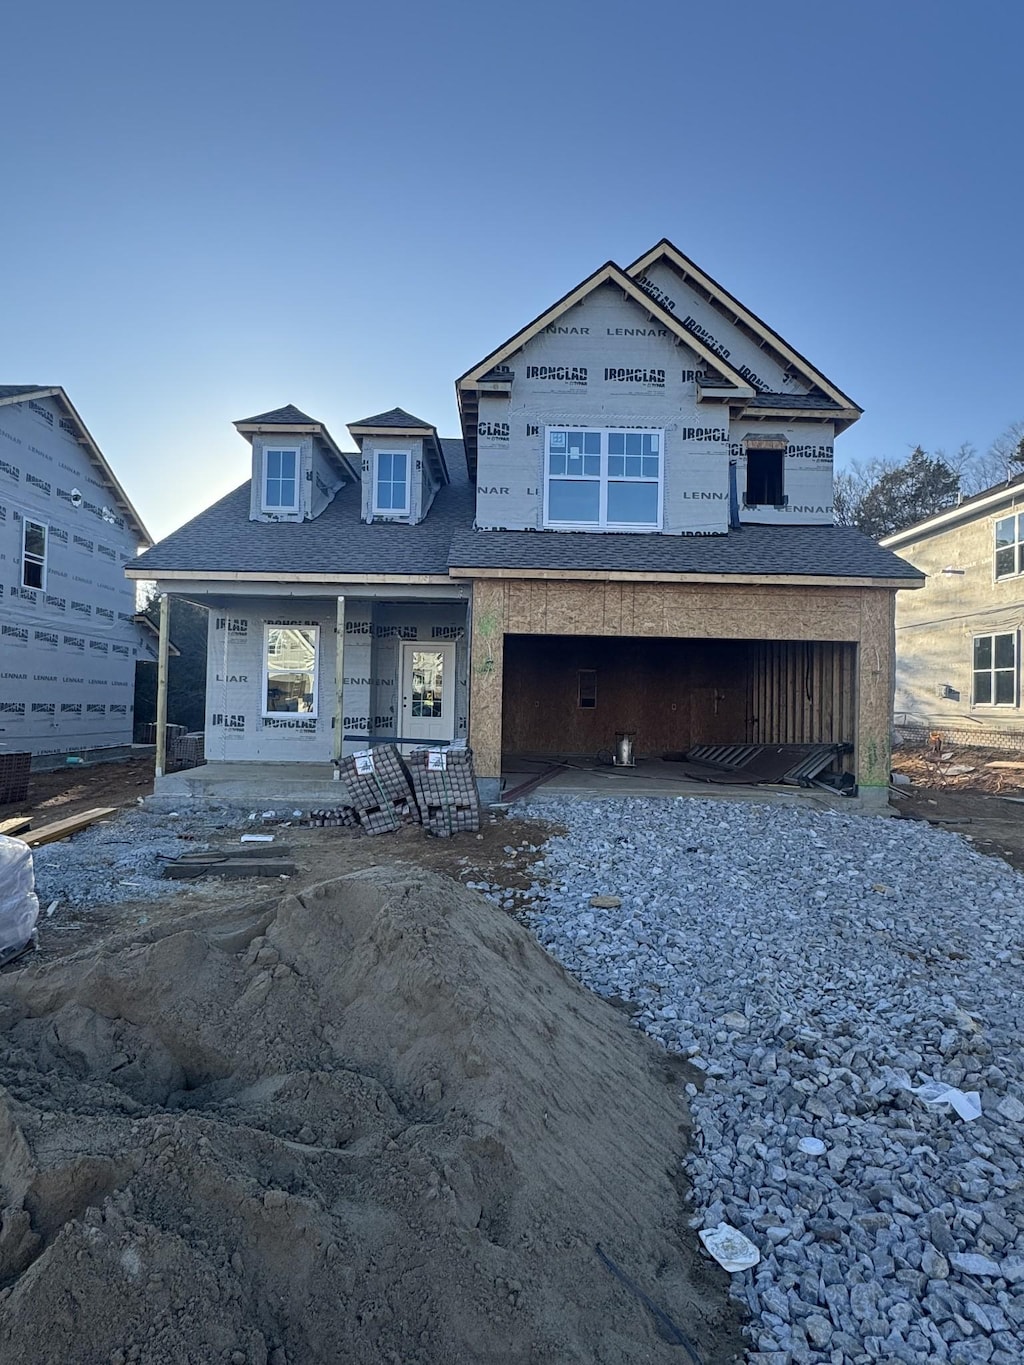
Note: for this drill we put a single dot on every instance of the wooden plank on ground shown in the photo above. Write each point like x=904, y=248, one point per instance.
x=18, y=825
x=185, y=869
x=1013, y=765
x=61, y=829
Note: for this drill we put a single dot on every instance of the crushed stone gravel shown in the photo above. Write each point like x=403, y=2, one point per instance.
x=816, y=966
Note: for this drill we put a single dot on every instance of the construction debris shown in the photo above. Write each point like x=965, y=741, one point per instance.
x=251, y=863
x=61, y=829
x=18, y=825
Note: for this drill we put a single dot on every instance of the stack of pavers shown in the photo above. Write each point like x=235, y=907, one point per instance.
x=445, y=788
x=378, y=788
x=332, y=817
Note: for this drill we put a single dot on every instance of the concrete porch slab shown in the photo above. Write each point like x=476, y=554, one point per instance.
x=300, y=785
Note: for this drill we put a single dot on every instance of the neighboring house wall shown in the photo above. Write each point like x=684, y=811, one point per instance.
x=67, y=651
x=936, y=629
x=606, y=364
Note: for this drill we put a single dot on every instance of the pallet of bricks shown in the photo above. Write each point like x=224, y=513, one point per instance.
x=445, y=788
x=378, y=789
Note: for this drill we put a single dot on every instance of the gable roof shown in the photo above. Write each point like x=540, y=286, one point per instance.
x=394, y=417
x=18, y=393
x=726, y=303
x=289, y=415
x=1008, y=494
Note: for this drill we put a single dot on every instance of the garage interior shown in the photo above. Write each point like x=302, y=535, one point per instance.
x=567, y=697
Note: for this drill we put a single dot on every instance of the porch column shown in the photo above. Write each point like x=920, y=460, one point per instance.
x=339, y=683
x=161, y=685
x=486, y=661
x=875, y=693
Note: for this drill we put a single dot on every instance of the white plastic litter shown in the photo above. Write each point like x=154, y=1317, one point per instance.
x=19, y=908
x=257, y=839
x=730, y=1248
x=812, y=1146
x=938, y=1095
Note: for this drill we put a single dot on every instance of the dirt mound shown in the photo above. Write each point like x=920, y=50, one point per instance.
x=371, y=1123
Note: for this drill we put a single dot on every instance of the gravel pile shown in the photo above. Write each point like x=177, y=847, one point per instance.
x=816, y=966
x=119, y=860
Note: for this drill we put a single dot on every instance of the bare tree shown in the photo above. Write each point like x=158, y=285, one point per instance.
x=1003, y=460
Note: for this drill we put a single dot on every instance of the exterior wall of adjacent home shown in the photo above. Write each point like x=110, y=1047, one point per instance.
x=859, y=616
x=606, y=364
x=236, y=727
x=936, y=628
x=68, y=651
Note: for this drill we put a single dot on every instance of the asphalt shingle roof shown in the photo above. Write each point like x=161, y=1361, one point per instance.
x=395, y=417
x=223, y=538
x=289, y=415
x=829, y=551
x=16, y=390
x=791, y=400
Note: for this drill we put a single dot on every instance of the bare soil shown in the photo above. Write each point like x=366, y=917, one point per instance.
x=368, y=1121
x=975, y=804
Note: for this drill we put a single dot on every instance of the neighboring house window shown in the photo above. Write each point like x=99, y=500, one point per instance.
x=603, y=479
x=281, y=480
x=765, y=478
x=33, y=554
x=289, y=669
x=1010, y=546
x=995, y=670
x=391, y=483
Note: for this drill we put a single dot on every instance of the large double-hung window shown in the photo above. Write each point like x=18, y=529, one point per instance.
x=1009, y=547
x=609, y=480
x=995, y=675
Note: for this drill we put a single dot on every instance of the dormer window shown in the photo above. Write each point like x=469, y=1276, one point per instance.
x=391, y=483
x=281, y=479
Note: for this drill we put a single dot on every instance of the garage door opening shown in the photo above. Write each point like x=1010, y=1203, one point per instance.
x=567, y=696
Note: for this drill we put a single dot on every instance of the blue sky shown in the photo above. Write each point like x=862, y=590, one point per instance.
x=213, y=209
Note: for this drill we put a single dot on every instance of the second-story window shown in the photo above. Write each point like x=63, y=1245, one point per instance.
x=281, y=480
x=33, y=554
x=1009, y=546
x=603, y=479
x=391, y=482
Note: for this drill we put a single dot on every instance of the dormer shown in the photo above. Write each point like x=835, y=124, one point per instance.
x=296, y=466
x=403, y=466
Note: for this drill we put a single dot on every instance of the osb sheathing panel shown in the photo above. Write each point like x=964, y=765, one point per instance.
x=862, y=616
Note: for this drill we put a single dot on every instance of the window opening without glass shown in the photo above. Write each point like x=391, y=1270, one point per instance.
x=281, y=482
x=290, y=657
x=1010, y=546
x=603, y=478
x=33, y=554
x=765, y=478
x=586, y=687
x=995, y=670
x=391, y=489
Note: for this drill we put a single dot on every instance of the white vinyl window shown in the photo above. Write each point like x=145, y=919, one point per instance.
x=611, y=480
x=33, y=554
x=995, y=671
x=281, y=479
x=391, y=482
x=289, y=669
x=1009, y=546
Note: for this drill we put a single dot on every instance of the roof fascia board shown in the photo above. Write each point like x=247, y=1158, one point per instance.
x=654, y=576
x=30, y=393
x=393, y=431
x=270, y=577
x=609, y=273
x=807, y=414
x=666, y=249
x=945, y=520
x=96, y=455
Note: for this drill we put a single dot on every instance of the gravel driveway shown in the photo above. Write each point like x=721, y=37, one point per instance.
x=815, y=966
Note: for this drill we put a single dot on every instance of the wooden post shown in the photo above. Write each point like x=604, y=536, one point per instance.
x=339, y=682
x=161, y=685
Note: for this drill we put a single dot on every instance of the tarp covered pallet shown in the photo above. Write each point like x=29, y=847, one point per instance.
x=378, y=788
x=445, y=788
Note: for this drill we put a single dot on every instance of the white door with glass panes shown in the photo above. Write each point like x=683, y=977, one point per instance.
x=428, y=694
